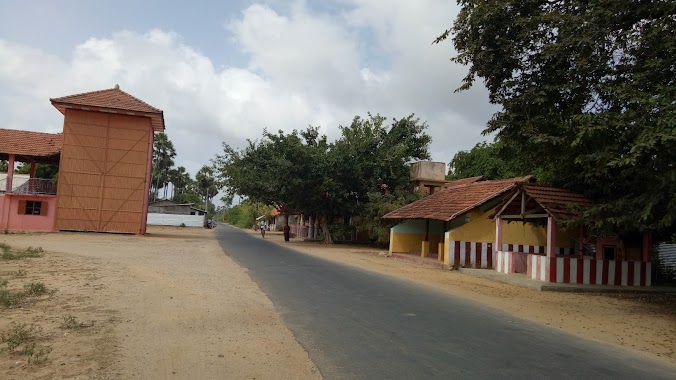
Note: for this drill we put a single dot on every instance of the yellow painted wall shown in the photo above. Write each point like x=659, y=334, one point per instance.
x=481, y=228
x=406, y=243
x=408, y=236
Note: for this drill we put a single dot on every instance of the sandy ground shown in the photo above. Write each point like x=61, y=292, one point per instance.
x=643, y=322
x=169, y=305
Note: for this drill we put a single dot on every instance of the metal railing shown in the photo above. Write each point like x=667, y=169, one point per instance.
x=30, y=186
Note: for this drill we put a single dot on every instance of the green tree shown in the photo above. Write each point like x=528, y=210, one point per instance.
x=273, y=171
x=491, y=160
x=206, y=186
x=302, y=172
x=371, y=216
x=180, y=179
x=44, y=171
x=189, y=195
x=244, y=214
x=3, y=166
x=587, y=93
x=163, y=160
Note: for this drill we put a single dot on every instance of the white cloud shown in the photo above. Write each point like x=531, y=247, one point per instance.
x=303, y=68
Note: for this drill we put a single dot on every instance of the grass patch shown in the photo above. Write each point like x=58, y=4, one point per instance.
x=30, y=252
x=21, y=338
x=19, y=273
x=10, y=299
x=4, y=248
x=7, y=297
x=71, y=323
x=35, y=289
x=20, y=334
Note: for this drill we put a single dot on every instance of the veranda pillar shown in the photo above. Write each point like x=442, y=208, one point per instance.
x=647, y=247
x=425, y=249
x=498, y=235
x=551, y=237
x=32, y=172
x=10, y=173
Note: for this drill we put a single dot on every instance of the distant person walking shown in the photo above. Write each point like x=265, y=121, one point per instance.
x=287, y=232
x=263, y=229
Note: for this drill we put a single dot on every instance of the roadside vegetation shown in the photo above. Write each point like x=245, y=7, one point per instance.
x=175, y=183
x=362, y=173
x=23, y=339
x=244, y=214
x=584, y=102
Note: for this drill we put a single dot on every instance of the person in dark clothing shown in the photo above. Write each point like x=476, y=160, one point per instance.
x=287, y=232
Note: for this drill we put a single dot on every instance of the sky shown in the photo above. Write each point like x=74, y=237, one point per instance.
x=223, y=71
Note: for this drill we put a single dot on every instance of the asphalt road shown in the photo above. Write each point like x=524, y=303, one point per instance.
x=360, y=325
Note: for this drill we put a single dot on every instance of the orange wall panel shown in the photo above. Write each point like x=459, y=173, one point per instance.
x=102, y=173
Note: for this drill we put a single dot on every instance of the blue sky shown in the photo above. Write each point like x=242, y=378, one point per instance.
x=224, y=71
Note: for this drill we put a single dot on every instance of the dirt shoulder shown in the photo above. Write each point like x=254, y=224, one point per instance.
x=166, y=305
x=643, y=322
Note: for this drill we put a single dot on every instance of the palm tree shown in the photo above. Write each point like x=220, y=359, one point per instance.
x=163, y=160
x=179, y=179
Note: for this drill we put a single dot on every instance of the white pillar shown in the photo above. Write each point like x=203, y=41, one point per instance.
x=498, y=235
x=551, y=237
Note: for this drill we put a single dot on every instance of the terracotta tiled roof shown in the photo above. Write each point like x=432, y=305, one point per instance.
x=453, y=202
x=27, y=143
x=463, y=181
x=275, y=212
x=557, y=202
x=111, y=100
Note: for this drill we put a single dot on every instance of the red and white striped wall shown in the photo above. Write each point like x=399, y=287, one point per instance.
x=571, y=270
x=536, y=249
x=468, y=254
x=511, y=262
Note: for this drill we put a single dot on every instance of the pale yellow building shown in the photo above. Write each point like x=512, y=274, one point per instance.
x=455, y=225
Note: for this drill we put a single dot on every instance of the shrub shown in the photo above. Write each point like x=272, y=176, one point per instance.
x=7, y=253
x=9, y=298
x=35, y=289
x=26, y=335
x=20, y=333
x=71, y=323
x=32, y=252
x=341, y=231
x=20, y=273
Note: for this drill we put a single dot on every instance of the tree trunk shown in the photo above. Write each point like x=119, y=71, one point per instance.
x=327, y=234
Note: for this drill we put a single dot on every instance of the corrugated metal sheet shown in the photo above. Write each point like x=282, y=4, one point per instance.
x=155, y=219
x=667, y=254
x=102, y=172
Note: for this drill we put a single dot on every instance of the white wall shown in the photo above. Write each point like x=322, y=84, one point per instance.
x=175, y=220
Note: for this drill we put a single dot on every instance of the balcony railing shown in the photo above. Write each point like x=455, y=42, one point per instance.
x=30, y=186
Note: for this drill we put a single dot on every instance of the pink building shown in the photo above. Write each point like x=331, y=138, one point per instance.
x=28, y=205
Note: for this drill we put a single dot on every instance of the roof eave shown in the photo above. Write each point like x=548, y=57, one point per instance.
x=156, y=118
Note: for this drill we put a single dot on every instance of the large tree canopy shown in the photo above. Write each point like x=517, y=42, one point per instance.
x=302, y=172
x=491, y=160
x=588, y=96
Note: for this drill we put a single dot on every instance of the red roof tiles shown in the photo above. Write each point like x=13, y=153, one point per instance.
x=451, y=203
x=557, y=202
x=111, y=100
x=30, y=144
x=463, y=182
